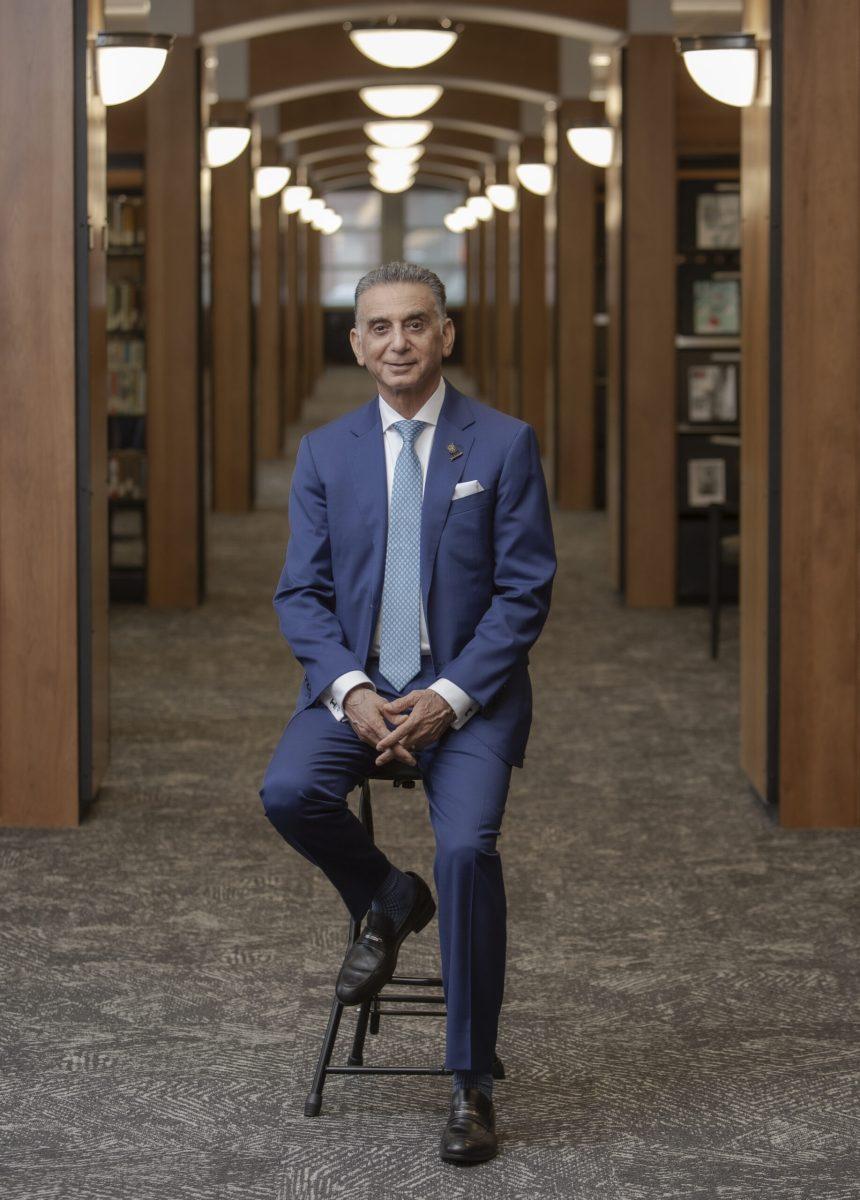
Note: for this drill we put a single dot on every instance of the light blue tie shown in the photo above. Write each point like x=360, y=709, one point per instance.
x=400, y=633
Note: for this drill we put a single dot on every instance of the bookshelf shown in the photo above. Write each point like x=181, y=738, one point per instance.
x=708, y=356
x=126, y=380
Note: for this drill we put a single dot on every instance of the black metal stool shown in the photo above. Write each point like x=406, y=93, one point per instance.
x=370, y=1012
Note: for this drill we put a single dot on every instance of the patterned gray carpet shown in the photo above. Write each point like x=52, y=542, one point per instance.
x=681, y=1007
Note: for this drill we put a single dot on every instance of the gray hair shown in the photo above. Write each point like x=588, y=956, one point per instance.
x=403, y=272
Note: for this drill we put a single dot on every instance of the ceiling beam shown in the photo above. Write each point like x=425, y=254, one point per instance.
x=218, y=21
x=492, y=116
x=321, y=59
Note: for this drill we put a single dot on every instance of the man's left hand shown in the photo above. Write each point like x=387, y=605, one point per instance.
x=430, y=717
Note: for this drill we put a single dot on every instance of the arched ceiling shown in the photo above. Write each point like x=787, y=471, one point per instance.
x=475, y=112
x=321, y=59
x=301, y=60
x=218, y=21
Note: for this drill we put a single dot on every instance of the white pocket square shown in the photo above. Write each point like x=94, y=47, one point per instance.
x=466, y=489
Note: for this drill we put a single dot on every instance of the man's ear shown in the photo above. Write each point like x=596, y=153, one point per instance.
x=355, y=342
x=448, y=335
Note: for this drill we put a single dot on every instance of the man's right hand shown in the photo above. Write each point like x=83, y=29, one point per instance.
x=363, y=707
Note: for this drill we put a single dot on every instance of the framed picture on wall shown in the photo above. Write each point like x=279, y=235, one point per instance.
x=709, y=216
x=718, y=220
x=706, y=482
x=708, y=472
x=717, y=306
x=712, y=392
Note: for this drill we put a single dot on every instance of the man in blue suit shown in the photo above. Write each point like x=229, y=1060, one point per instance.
x=417, y=576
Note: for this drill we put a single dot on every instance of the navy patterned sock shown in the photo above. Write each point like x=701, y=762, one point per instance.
x=483, y=1080
x=396, y=895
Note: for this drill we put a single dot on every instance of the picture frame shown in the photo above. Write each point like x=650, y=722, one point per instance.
x=718, y=220
x=710, y=391
x=706, y=482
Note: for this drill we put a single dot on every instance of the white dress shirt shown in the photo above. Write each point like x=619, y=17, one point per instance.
x=462, y=703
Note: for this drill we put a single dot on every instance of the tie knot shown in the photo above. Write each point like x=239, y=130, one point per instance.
x=409, y=430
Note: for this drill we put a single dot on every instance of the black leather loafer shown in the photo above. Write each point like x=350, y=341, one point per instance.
x=371, y=961
x=470, y=1135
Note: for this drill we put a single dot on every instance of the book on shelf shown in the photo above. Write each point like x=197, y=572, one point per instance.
x=126, y=215
x=126, y=475
x=126, y=378
x=124, y=305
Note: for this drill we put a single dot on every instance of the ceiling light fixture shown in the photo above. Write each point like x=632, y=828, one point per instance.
x=402, y=44
x=128, y=63
x=268, y=181
x=408, y=100
x=396, y=134
x=480, y=206
x=535, y=177
x=502, y=196
x=395, y=154
x=592, y=143
x=224, y=143
x=294, y=197
x=725, y=66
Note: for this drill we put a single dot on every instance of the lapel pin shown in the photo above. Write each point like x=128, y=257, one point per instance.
x=454, y=451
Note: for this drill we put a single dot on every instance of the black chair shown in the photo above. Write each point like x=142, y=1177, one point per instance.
x=427, y=1003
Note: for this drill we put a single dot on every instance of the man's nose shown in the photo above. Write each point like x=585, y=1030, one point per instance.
x=399, y=341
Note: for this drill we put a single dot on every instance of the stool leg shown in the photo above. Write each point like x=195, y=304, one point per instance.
x=313, y=1100
x=356, y=1058
x=498, y=1068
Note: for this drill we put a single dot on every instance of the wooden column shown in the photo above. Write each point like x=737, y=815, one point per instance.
x=502, y=317
x=270, y=420
x=641, y=422
x=292, y=375
x=232, y=407
x=819, y=627
x=53, y=505
x=174, y=501
x=575, y=350
x=470, y=321
x=484, y=309
x=310, y=310
x=757, y=695
x=532, y=325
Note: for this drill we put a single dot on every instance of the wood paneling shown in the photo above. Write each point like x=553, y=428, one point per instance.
x=532, y=323
x=485, y=309
x=820, y=552
x=232, y=414
x=269, y=397
x=575, y=307
x=292, y=316
x=613, y=215
x=503, y=327
x=38, y=495
x=755, y=423
x=95, y=675
x=173, y=361
x=649, y=321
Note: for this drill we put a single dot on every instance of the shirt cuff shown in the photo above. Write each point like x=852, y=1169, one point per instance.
x=334, y=695
x=462, y=703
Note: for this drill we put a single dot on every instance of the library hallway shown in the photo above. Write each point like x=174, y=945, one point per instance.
x=671, y=1025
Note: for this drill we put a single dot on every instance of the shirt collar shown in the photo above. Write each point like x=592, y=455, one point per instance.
x=429, y=410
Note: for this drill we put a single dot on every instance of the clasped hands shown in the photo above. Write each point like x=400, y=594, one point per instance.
x=368, y=712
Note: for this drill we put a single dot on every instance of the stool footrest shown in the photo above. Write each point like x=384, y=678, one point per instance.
x=389, y=1071
x=412, y=981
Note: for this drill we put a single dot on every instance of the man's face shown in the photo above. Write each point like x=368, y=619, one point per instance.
x=400, y=337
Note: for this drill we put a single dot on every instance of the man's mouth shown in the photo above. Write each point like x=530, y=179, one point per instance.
x=400, y=365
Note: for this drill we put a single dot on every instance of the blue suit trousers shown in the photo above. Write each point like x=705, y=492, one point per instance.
x=319, y=760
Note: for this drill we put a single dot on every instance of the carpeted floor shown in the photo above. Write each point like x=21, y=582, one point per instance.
x=681, y=1006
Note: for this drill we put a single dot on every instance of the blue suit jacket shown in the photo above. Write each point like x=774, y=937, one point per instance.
x=487, y=560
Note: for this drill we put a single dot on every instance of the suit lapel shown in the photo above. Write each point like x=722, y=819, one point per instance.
x=367, y=465
x=442, y=473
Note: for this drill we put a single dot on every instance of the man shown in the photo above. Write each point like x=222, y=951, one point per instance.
x=417, y=576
